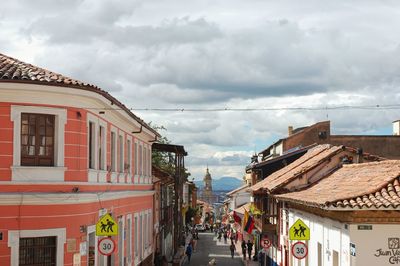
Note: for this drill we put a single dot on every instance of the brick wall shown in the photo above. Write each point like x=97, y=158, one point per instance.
x=308, y=136
x=385, y=146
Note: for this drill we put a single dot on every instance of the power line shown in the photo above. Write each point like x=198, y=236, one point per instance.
x=230, y=109
x=318, y=108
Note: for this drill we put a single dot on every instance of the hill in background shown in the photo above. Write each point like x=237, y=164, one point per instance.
x=226, y=183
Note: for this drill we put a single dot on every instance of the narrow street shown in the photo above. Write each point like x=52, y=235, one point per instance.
x=208, y=247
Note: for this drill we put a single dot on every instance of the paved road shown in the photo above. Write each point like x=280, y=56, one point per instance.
x=208, y=247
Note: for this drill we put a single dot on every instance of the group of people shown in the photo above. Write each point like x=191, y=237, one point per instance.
x=247, y=248
x=191, y=247
x=226, y=232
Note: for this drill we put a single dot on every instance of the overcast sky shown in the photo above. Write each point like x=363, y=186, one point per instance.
x=221, y=54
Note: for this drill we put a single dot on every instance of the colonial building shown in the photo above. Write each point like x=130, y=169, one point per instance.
x=387, y=146
x=207, y=192
x=318, y=163
x=70, y=153
x=353, y=216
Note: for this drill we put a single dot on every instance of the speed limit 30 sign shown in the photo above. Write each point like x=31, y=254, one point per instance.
x=299, y=250
x=106, y=246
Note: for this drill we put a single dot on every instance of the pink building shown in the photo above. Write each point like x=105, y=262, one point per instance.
x=69, y=153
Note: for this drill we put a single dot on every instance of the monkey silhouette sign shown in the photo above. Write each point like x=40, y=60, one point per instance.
x=106, y=226
x=299, y=231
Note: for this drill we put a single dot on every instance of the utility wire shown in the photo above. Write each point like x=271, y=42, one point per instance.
x=230, y=109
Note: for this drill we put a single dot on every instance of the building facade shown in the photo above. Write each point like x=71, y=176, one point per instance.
x=70, y=153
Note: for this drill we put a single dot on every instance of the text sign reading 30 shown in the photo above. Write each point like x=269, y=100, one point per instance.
x=299, y=250
x=106, y=246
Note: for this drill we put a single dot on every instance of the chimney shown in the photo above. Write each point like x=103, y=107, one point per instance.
x=290, y=130
x=396, y=127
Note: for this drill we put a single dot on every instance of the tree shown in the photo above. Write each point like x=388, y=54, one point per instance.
x=164, y=160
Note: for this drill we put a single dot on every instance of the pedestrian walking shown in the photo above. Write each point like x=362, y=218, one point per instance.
x=232, y=249
x=189, y=251
x=225, y=237
x=244, y=249
x=249, y=248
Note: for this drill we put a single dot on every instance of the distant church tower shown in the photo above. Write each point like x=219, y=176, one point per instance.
x=207, y=190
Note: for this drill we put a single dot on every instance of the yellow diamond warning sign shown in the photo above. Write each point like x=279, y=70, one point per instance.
x=299, y=231
x=106, y=226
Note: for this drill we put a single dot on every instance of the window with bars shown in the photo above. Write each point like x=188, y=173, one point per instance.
x=37, y=139
x=35, y=251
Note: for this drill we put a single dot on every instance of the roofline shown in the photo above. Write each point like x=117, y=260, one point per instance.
x=91, y=88
x=236, y=190
x=270, y=146
x=283, y=156
x=328, y=207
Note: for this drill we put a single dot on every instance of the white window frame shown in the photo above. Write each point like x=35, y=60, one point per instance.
x=129, y=239
x=114, y=172
x=136, y=161
x=150, y=228
x=121, y=241
x=141, y=162
x=136, y=224
x=94, y=144
x=39, y=173
x=129, y=157
x=121, y=154
x=103, y=145
x=141, y=240
x=97, y=174
x=150, y=164
x=15, y=235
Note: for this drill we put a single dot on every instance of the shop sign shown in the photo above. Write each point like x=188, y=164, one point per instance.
x=392, y=253
x=299, y=231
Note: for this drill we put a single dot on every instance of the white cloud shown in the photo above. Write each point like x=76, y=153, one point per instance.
x=231, y=54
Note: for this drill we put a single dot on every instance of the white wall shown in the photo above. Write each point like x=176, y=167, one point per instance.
x=369, y=242
x=332, y=235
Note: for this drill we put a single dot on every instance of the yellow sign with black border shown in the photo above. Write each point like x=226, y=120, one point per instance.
x=299, y=231
x=106, y=226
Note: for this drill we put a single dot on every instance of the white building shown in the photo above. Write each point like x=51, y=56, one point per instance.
x=352, y=215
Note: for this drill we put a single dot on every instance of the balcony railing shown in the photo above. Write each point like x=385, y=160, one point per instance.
x=263, y=222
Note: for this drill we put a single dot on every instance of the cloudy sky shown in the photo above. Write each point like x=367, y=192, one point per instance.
x=204, y=54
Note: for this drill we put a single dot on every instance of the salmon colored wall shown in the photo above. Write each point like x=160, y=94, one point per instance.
x=6, y=142
x=75, y=150
x=71, y=217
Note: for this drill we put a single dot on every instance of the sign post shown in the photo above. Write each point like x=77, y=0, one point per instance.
x=299, y=250
x=299, y=231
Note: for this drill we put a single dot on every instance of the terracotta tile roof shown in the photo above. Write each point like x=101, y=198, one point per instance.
x=14, y=70
x=355, y=186
x=312, y=158
x=242, y=188
x=242, y=208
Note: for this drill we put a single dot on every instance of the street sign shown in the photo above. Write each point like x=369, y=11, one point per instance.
x=265, y=242
x=299, y=250
x=106, y=246
x=106, y=226
x=299, y=231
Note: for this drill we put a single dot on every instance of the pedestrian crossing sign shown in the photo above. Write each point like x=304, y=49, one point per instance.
x=299, y=231
x=106, y=226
